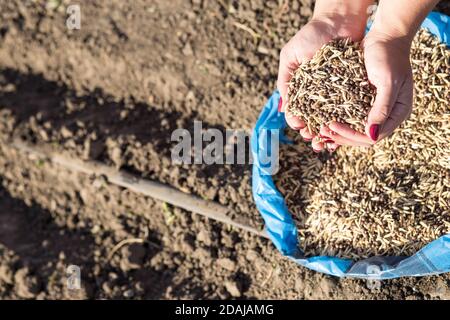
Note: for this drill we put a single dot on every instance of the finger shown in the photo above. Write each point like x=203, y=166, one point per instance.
x=280, y=104
x=331, y=147
x=331, y=136
x=348, y=133
x=339, y=140
x=326, y=134
x=317, y=145
x=401, y=111
x=381, y=109
x=306, y=135
x=288, y=65
x=294, y=122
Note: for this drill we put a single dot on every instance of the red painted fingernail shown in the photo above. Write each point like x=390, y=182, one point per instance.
x=322, y=136
x=328, y=141
x=374, y=131
x=331, y=149
x=280, y=104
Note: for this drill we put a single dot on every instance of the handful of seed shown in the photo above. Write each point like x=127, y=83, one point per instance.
x=391, y=199
x=332, y=86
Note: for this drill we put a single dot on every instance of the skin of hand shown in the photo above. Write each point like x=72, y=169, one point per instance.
x=337, y=18
x=389, y=70
x=386, y=55
x=317, y=32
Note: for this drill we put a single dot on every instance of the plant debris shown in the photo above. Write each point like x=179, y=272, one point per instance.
x=332, y=86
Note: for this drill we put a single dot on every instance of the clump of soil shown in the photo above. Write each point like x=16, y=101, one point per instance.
x=391, y=199
x=332, y=86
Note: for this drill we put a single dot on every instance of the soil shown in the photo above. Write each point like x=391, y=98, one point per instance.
x=114, y=91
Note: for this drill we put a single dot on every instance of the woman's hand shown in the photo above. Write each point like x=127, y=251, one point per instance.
x=386, y=54
x=320, y=30
x=389, y=70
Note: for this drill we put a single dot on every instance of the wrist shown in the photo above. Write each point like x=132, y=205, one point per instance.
x=403, y=34
x=400, y=46
x=342, y=26
x=396, y=22
x=343, y=8
x=346, y=18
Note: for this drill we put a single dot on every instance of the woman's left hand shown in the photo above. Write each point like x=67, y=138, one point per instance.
x=389, y=70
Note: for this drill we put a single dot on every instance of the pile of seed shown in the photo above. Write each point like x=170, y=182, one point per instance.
x=391, y=199
x=332, y=86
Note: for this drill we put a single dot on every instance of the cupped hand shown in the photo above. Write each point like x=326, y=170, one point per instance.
x=301, y=48
x=389, y=70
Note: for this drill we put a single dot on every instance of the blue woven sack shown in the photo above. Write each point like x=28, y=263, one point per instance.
x=434, y=258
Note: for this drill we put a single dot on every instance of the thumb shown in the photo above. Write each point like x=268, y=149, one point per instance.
x=288, y=65
x=381, y=109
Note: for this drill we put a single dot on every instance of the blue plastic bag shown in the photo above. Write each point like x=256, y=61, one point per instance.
x=434, y=258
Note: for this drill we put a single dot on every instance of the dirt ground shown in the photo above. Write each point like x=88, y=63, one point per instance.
x=114, y=91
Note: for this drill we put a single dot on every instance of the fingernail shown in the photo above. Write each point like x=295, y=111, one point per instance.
x=322, y=136
x=330, y=132
x=374, y=131
x=328, y=141
x=280, y=104
x=330, y=149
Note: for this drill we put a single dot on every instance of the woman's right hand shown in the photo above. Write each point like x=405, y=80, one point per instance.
x=302, y=47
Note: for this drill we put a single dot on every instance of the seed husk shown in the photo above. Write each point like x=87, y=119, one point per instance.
x=332, y=86
x=391, y=199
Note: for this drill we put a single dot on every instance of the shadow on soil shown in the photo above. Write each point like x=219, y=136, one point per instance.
x=32, y=98
x=30, y=232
